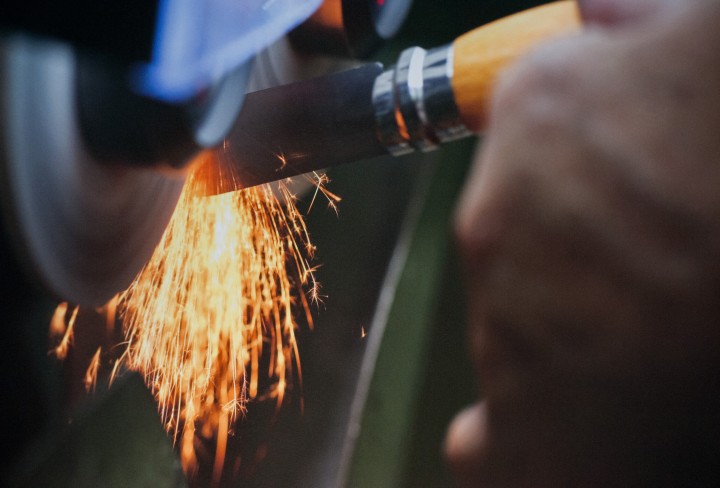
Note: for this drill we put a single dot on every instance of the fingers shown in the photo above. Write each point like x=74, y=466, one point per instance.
x=464, y=444
x=478, y=219
x=479, y=460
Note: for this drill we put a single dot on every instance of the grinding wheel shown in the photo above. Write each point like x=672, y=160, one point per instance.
x=82, y=228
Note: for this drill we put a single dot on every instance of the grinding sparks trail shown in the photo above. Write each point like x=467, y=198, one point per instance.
x=210, y=320
x=211, y=317
x=220, y=292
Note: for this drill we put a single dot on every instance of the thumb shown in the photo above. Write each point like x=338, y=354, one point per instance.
x=464, y=445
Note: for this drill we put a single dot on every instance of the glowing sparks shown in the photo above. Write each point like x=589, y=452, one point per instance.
x=210, y=321
x=213, y=311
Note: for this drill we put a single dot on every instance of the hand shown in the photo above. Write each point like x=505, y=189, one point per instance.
x=590, y=229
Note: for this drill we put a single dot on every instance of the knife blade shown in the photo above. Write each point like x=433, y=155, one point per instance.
x=426, y=99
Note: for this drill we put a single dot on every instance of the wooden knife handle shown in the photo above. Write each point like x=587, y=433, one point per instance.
x=481, y=54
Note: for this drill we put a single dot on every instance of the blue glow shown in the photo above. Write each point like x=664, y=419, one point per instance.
x=198, y=42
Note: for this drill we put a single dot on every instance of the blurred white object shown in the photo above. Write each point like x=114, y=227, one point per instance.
x=197, y=43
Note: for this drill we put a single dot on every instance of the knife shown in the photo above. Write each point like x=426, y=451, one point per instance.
x=427, y=99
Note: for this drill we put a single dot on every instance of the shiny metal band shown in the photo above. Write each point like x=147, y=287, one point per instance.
x=414, y=102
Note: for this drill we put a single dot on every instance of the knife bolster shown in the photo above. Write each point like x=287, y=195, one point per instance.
x=414, y=102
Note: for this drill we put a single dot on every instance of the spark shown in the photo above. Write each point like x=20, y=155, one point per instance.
x=58, y=328
x=215, y=304
x=91, y=373
x=57, y=323
x=320, y=182
x=109, y=310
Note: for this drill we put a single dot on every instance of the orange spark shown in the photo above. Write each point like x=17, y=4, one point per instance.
x=91, y=373
x=58, y=328
x=57, y=323
x=320, y=181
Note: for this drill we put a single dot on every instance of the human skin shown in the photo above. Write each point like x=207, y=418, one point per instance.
x=590, y=232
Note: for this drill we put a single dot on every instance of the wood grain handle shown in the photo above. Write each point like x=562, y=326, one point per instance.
x=481, y=54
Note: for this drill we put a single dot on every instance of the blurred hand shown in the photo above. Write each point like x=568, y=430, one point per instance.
x=590, y=230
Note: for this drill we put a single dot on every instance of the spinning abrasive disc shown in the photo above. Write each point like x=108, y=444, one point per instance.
x=83, y=228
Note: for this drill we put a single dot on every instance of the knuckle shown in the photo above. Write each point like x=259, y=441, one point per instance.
x=464, y=448
x=542, y=78
x=477, y=233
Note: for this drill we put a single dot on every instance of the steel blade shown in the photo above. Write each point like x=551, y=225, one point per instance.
x=297, y=128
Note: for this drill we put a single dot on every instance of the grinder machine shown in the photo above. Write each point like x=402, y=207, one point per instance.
x=103, y=106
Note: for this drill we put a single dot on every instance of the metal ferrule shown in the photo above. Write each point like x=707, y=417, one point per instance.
x=414, y=103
